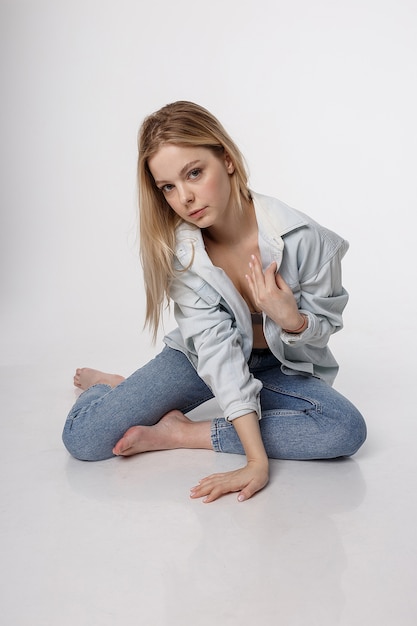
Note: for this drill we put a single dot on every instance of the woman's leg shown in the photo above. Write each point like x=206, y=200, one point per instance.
x=302, y=418
x=102, y=414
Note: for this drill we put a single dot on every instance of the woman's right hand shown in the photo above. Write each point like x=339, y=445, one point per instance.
x=247, y=481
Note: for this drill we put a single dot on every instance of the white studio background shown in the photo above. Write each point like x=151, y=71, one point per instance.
x=320, y=96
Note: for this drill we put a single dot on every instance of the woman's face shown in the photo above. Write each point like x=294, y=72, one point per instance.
x=194, y=181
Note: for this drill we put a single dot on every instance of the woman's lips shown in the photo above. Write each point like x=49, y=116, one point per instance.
x=197, y=213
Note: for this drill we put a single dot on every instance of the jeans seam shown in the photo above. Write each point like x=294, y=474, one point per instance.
x=315, y=406
x=215, y=440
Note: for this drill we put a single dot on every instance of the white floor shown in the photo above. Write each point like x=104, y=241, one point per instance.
x=98, y=544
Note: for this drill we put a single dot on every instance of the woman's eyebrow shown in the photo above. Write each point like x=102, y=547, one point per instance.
x=184, y=170
x=188, y=166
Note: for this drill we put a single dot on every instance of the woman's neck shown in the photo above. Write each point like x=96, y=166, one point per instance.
x=235, y=227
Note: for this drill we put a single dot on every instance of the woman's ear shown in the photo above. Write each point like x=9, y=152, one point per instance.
x=230, y=167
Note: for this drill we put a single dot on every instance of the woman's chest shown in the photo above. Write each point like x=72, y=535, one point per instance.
x=235, y=263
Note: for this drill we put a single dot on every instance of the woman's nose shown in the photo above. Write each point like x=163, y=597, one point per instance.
x=186, y=195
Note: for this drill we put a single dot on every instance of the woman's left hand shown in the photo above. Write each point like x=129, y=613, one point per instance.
x=247, y=481
x=272, y=295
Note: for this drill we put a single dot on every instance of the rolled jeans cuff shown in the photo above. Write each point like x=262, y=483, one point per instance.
x=222, y=430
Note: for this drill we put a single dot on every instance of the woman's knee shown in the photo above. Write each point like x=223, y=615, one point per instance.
x=352, y=432
x=85, y=447
x=85, y=451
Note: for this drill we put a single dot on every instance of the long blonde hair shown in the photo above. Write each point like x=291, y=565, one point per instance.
x=185, y=124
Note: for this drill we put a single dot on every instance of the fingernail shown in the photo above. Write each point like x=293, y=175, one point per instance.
x=241, y=497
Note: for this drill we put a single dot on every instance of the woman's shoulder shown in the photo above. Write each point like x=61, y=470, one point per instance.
x=272, y=212
x=294, y=225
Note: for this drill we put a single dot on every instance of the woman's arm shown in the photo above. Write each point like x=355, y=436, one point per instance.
x=209, y=332
x=246, y=480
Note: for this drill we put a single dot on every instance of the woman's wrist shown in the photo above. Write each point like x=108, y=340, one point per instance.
x=300, y=328
x=247, y=428
x=261, y=461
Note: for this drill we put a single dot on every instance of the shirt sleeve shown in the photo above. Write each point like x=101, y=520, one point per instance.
x=210, y=334
x=322, y=298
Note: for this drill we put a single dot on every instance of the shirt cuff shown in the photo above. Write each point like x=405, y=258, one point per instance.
x=245, y=410
x=290, y=339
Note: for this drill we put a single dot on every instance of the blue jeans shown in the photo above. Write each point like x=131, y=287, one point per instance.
x=302, y=416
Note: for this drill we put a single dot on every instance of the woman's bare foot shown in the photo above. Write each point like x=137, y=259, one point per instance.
x=85, y=378
x=174, y=430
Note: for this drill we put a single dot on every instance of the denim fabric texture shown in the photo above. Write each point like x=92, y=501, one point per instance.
x=303, y=417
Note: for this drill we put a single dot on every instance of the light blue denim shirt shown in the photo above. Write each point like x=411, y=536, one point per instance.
x=214, y=324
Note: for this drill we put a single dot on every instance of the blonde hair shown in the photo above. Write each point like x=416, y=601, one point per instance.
x=185, y=124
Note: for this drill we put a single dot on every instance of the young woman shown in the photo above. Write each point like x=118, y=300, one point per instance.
x=257, y=292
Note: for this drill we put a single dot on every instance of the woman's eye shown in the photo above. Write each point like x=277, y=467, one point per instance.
x=167, y=188
x=194, y=173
